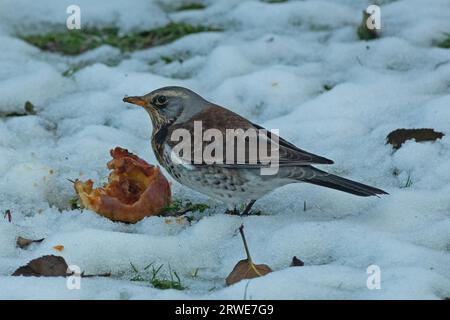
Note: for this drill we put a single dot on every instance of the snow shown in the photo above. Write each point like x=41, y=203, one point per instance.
x=271, y=65
x=26, y=18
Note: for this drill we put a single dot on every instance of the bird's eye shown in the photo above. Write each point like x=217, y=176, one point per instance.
x=161, y=100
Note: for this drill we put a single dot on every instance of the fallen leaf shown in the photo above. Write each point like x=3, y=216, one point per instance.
x=24, y=242
x=59, y=247
x=46, y=266
x=135, y=189
x=397, y=137
x=246, y=269
x=296, y=262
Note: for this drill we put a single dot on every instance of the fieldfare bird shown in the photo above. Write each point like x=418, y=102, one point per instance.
x=175, y=111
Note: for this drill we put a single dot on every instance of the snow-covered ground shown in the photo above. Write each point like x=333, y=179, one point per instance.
x=270, y=64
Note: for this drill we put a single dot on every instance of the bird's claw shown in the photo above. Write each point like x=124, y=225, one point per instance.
x=236, y=212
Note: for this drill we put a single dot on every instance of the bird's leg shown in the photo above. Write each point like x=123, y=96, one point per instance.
x=247, y=209
x=234, y=212
x=246, y=212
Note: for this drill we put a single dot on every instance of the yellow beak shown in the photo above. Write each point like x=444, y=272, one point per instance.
x=136, y=100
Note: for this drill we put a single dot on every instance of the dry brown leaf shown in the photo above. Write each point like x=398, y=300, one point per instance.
x=135, y=189
x=246, y=269
x=296, y=262
x=50, y=266
x=59, y=247
x=46, y=266
x=397, y=137
x=24, y=242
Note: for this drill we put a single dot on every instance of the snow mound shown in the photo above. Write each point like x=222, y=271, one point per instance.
x=297, y=66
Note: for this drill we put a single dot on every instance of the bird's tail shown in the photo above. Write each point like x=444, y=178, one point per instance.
x=332, y=181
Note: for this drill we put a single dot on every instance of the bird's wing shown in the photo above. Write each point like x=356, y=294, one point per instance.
x=221, y=119
x=290, y=154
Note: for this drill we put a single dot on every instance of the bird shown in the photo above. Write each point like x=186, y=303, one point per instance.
x=175, y=109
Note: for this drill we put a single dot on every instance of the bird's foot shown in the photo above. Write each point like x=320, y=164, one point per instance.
x=233, y=212
x=236, y=212
x=245, y=211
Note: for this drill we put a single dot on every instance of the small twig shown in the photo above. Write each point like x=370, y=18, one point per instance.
x=108, y=274
x=247, y=252
x=359, y=61
x=245, y=290
x=8, y=215
x=441, y=64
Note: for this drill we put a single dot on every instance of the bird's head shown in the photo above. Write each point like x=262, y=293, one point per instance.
x=168, y=104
